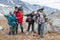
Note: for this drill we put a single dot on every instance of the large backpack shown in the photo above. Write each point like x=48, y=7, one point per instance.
x=45, y=17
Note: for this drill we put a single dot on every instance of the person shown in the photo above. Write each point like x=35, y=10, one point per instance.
x=19, y=17
x=16, y=9
x=31, y=20
x=14, y=12
x=12, y=22
x=21, y=9
x=40, y=21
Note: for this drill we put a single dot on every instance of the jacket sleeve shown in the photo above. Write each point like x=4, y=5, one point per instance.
x=6, y=15
x=14, y=12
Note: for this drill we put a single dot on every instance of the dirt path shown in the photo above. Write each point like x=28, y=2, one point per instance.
x=4, y=34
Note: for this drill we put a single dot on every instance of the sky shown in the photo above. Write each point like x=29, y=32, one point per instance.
x=49, y=3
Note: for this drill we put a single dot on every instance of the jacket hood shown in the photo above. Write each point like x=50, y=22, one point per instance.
x=11, y=13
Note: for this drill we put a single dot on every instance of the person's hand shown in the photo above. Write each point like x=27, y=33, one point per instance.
x=29, y=19
x=39, y=23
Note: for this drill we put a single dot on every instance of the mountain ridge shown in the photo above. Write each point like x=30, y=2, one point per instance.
x=26, y=6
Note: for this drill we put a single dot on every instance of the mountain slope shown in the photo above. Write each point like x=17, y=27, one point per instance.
x=26, y=6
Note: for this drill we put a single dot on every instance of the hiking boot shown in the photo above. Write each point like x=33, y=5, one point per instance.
x=9, y=33
x=13, y=33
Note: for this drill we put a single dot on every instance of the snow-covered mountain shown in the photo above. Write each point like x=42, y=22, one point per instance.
x=26, y=6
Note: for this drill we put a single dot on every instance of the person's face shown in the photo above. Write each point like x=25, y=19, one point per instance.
x=16, y=9
x=35, y=13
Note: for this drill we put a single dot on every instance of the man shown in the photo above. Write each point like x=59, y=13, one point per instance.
x=14, y=12
x=41, y=22
x=16, y=9
x=30, y=23
x=31, y=19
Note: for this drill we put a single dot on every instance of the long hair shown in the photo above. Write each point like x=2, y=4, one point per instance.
x=19, y=10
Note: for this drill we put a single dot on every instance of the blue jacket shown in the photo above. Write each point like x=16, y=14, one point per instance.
x=12, y=21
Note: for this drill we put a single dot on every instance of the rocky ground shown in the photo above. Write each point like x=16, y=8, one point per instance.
x=4, y=34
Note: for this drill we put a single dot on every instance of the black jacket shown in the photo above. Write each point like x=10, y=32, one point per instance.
x=30, y=16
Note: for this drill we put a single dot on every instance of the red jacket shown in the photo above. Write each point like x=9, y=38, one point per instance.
x=19, y=16
x=14, y=12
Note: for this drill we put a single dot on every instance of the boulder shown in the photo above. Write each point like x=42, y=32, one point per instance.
x=53, y=23
x=1, y=28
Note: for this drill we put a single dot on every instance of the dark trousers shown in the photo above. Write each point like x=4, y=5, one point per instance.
x=41, y=29
x=29, y=25
x=21, y=26
x=11, y=32
x=17, y=28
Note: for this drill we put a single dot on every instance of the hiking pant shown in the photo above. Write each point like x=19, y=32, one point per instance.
x=12, y=30
x=41, y=29
x=17, y=28
x=21, y=26
x=29, y=25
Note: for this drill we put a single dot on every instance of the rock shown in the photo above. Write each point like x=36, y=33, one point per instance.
x=1, y=28
x=47, y=28
x=53, y=24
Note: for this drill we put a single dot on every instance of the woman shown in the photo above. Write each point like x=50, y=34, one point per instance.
x=19, y=17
